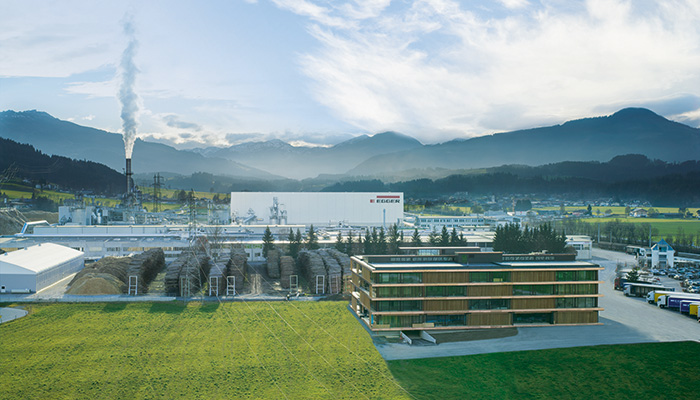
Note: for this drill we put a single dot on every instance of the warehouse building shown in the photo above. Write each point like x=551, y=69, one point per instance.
x=37, y=267
x=317, y=208
x=473, y=290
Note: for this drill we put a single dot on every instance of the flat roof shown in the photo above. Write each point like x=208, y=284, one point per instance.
x=37, y=258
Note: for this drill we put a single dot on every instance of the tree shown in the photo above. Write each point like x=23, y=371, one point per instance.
x=380, y=245
x=349, y=244
x=454, y=239
x=368, y=247
x=444, y=237
x=394, y=240
x=311, y=239
x=415, y=239
x=633, y=276
x=339, y=245
x=181, y=197
x=476, y=209
x=523, y=205
x=268, y=241
x=589, y=210
x=562, y=209
x=434, y=238
x=628, y=210
x=294, y=243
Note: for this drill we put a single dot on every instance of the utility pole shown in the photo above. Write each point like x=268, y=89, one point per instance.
x=156, y=192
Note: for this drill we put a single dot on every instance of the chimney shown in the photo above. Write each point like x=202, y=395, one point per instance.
x=129, y=185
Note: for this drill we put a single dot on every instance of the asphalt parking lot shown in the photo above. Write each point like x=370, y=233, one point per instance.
x=624, y=320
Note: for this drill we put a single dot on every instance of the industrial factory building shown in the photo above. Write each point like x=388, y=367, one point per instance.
x=473, y=290
x=317, y=208
x=34, y=268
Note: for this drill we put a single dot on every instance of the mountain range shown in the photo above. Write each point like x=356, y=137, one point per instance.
x=387, y=155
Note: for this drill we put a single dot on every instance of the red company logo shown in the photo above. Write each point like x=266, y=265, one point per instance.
x=386, y=199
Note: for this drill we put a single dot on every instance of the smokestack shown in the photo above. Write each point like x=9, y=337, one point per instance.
x=129, y=185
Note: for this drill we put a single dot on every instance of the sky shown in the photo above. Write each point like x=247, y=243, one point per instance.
x=221, y=72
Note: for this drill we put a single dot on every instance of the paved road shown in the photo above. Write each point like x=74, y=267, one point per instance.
x=8, y=314
x=625, y=320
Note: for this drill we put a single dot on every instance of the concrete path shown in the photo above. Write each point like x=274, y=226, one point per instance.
x=8, y=314
x=625, y=320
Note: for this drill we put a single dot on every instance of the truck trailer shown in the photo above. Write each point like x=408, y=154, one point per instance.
x=641, y=289
x=653, y=297
x=685, y=306
x=674, y=300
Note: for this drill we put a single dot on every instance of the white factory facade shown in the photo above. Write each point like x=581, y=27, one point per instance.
x=317, y=208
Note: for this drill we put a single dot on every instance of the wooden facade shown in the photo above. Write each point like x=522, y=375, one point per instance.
x=426, y=293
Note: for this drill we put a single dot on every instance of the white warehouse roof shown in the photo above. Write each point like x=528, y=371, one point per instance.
x=35, y=259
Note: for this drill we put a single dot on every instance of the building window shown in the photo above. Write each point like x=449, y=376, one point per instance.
x=489, y=304
x=577, y=302
x=398, y=305
x=532, y=318
x=533, y=290
x=489, y=277
x=445, y=291
x=576, y=275
x=576, y=289
x=398, y=278
x=398, y=321
x=410, y=291
x=447, y=320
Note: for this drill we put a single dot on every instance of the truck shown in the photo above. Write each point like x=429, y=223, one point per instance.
x=693, y=310
x=674, y=300
x=685, y=305
x=653, y=297
x=619, y=283
x=641, y=289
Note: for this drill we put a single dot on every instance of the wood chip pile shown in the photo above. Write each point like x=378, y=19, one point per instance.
x=146, y=266
x=273, y=264
x=287, y=268
x=105, y=276
x=238, y=267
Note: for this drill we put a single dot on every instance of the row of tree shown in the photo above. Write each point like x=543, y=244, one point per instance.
x=511, y=239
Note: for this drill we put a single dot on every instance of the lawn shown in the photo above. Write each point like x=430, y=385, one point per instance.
x=236, y=350
x=666, y=227
x=638, y=371
x=297, y=350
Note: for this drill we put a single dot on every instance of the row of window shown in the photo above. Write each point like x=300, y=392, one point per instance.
x=463, y=291
x=407, y=321
x=482, y=304
x=497, y=276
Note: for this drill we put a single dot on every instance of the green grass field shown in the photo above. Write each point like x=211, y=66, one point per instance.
x=294, y=350
x=616, y=210
x=639, y=371
x=666, y=227
x=297, y=350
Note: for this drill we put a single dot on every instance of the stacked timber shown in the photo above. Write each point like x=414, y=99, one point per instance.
x=238, y=267
x=287, y=268
x=342, y=258
x=190, y=269
x=333, y=272
x=146, y=266
x=217, y=279
x=312, y=266
x=273, y=264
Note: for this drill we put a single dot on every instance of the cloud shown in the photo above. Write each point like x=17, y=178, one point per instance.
x=435, y=68
x=174, y=121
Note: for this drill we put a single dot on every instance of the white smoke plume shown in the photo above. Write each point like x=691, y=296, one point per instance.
x=127, y=94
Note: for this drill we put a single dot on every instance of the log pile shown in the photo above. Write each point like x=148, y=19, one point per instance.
x=287, y=268
x=333, y=272
x=193, y=268
x=238, y=267
x=273, y=264
x=146, y=266
x=217, y=279
x=312, y=265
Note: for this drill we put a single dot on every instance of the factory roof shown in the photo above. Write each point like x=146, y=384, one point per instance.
x=35, y=259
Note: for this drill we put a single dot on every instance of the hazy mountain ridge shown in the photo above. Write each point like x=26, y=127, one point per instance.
x=283, y=159
x=53, y=136
x=631, y=130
